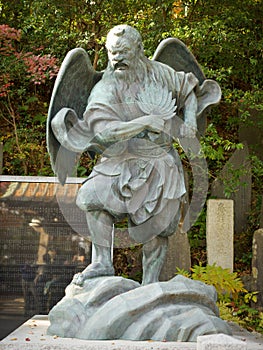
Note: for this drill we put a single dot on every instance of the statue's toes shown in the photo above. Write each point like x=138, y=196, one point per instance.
x=93, y=270
x=78, y=279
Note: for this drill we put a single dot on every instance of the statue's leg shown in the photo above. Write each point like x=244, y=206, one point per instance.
x=154, y=250
x=154, y=253
x=100, y=225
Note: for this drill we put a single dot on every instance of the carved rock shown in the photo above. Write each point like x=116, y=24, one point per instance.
x=107, y=308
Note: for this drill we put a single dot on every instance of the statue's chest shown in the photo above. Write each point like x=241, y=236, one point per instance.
x=138, y=101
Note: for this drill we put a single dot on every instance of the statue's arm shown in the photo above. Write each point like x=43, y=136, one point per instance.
x=189, y=128
x=119, y=131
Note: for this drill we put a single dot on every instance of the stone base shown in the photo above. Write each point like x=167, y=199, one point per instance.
x=32, y=335
x=113, y=307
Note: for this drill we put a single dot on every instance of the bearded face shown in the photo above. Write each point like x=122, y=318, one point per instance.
x=122, y=56
x=127, y=63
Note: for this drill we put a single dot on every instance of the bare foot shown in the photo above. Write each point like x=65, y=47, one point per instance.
x=93, y=270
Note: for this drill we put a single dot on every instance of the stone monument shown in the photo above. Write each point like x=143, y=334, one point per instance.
x=220, y=233
x=238, y=164
x=130, y=115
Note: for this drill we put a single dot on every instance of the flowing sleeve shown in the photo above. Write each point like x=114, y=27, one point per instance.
x=185, y=85
x=102, y=108
x=207, y=94
x=79, y=135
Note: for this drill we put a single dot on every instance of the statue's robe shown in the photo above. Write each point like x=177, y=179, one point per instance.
x=139, y=177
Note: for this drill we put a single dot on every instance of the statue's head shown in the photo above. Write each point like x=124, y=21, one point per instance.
x=124, y=45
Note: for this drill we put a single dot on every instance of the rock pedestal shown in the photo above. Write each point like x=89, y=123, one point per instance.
x=107, y=308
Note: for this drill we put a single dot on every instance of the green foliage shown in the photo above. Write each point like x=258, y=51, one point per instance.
x=242, y=314
x=217, y=149
x=257, y=170
x=227, y=284
x=25, y=76
x=232, y=181
x=198, y=231
x=216, y=30
x=227, y=313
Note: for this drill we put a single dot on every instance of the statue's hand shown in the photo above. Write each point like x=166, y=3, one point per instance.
x=188, y=130
x=153, y=123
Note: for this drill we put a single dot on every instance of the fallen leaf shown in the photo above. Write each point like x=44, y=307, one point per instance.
x=13, y=339
x=27, y=339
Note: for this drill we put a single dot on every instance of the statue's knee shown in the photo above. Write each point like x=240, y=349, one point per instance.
x=87, y=199
x=81, y=203
x=83, y=200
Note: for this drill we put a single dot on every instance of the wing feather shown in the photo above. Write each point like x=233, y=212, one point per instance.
x=175, y=54
x=72, y=88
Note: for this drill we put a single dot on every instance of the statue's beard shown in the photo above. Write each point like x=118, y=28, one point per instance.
x=135, y=74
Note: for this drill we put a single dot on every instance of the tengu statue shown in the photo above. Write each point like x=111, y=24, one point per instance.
x=130, y=115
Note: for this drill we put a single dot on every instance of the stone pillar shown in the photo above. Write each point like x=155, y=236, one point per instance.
x=178, y=255
x=239, y=163
x=220, y=232
x=257, y=265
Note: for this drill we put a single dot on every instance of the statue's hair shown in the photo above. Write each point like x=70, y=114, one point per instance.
x=125, y=31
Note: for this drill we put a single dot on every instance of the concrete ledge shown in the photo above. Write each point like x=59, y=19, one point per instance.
x=32, y=336
x=220, y=342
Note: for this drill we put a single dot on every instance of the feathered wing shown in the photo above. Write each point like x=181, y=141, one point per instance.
x=175, y=54
x=72, y=88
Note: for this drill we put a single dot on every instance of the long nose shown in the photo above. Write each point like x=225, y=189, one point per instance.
x=118, y=57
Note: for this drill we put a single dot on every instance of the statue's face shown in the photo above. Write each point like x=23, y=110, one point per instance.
x=122, y=55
